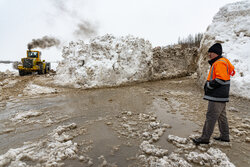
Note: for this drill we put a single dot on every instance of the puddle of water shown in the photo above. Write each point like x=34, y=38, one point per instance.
x=179, y=125
x=79, y=107
x=106, y=143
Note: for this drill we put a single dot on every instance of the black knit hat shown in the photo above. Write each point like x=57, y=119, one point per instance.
x=216, y=48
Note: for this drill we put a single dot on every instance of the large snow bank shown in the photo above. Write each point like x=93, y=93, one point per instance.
x=231, y=28
x=105, y=61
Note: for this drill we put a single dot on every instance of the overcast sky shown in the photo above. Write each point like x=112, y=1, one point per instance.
x=159, y=21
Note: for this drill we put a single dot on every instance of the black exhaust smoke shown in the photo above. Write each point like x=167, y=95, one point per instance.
x=44, y=42
x=85, y=29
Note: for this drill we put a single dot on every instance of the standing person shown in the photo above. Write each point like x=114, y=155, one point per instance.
x=217, y=93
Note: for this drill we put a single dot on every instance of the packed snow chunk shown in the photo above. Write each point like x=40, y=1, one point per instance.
x=105, y=61
x=177, y=139
x=231, y=28
x=157, y=133
x=59, y=133
x=213, y=157
x=33, y=89
x=24, y=115
x=150, y=149
x=154, y=125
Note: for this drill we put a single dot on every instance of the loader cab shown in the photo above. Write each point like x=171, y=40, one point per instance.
x=33, y=54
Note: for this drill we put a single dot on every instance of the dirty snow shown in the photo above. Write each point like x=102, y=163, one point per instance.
x=213, y=157
x=173, y=160
x=151, y=149
x=47, y=152
x=33, y=89
x=230, y=27
x=173, y=61
x=8, y=83
x=24, y=115
x=177, y=139
x=185, y=154
x=105, y=61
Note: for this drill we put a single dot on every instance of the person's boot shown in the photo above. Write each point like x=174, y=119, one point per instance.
x=221, y=139
x=198, y=141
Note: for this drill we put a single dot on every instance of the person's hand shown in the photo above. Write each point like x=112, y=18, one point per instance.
x=232, y=73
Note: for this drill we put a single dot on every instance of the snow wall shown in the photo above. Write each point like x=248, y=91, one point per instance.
x=105, y=61
x=231, y=28
x=174, y=61
x=112, y=61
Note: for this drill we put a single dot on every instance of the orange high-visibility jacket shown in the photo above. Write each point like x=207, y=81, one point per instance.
x=221, y=69
x=218, y=80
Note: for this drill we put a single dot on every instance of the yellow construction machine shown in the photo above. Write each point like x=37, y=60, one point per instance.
x=33, y=63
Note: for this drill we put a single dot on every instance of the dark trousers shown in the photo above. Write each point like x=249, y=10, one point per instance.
x=216, y=111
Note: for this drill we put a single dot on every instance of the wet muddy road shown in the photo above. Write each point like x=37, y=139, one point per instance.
x=101, y=127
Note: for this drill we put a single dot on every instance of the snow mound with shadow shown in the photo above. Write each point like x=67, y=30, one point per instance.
x=105, y=61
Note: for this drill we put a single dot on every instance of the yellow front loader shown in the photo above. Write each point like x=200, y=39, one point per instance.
x=33, y=63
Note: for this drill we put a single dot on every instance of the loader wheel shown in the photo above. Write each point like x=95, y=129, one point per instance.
x=22, y=73
x=41, y=70
x=46, y=70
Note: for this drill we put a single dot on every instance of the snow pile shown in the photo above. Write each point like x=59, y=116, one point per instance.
x=213, y=157
x=231, y=28
x=49, y=152
x=177, y=139
x=105, y=61
x=183, y=144
x=33, y=89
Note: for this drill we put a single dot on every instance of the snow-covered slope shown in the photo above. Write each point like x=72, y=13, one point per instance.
x=231, y=28
x=105, y=61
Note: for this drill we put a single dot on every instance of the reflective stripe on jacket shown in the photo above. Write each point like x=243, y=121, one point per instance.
x=218, y=80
